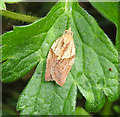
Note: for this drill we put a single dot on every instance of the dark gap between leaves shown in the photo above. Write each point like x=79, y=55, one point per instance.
x=3, y=61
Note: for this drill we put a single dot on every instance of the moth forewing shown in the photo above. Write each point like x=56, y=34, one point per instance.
x=60, y=58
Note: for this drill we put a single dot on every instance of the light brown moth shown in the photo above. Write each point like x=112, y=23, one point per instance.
x=60, y=58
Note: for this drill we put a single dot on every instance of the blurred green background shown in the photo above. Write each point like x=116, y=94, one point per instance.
x=11, y=91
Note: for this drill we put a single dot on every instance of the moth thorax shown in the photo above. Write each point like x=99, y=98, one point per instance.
x=68, y=32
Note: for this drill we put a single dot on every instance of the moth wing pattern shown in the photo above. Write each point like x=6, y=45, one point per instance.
x=50, y=62
x=60, y=59
x=60, y=70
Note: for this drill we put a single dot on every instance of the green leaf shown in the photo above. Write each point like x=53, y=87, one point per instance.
x=12, y=1
x=2, y=5
x=43, y=98
x=81, y=111
x=108, y=9
x=116, y=108
x=25, y=46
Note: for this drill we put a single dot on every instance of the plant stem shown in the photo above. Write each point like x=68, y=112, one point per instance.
x=17, y=16
x=107, y=108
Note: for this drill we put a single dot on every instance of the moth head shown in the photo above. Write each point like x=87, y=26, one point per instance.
x=69, y=32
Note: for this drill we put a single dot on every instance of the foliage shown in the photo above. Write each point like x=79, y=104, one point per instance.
x=117, y=108
x=2, y=3
x=110, y=10
x=28, y=46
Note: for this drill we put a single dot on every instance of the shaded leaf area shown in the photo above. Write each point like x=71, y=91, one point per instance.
x=117, y=108
x=108, y=9
x=95, y=54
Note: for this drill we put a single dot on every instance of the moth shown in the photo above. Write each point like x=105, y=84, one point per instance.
x=60, y=58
